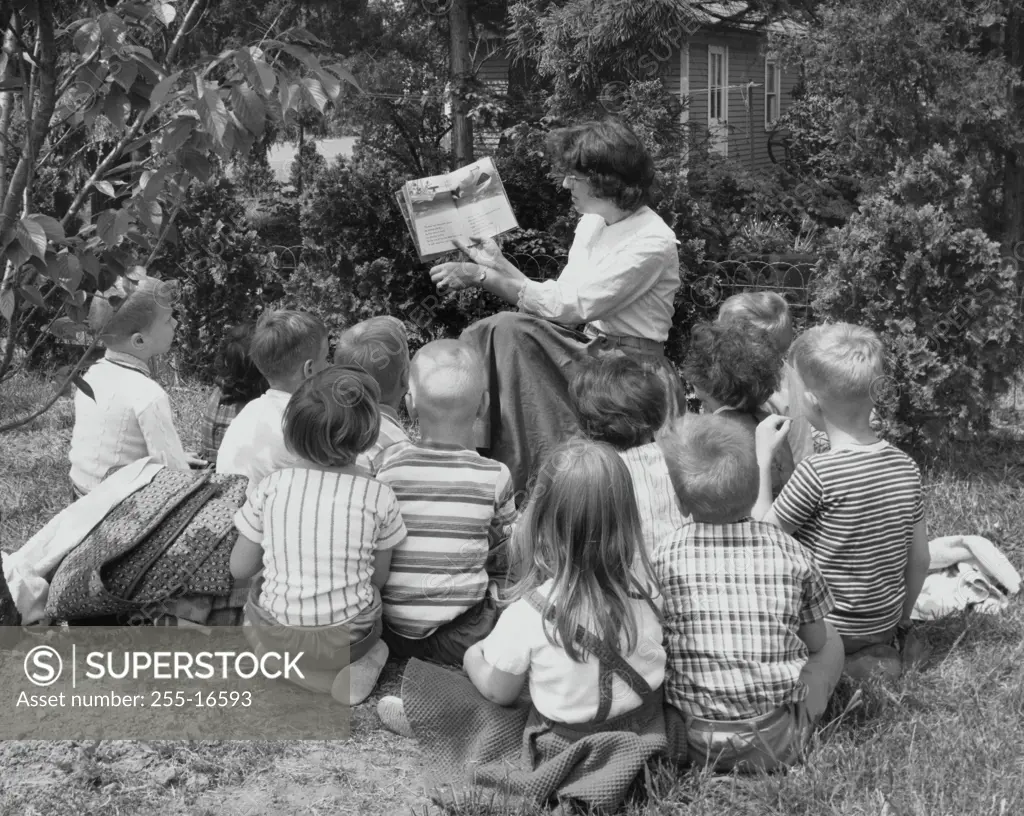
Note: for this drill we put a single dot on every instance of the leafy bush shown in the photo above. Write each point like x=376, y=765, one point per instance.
x=227, y=272
x=912, y=265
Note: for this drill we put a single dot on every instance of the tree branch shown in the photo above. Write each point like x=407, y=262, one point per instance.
x=186, y=23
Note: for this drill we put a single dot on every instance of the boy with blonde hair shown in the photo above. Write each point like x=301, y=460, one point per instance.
x=128, y=415
x=288, y=347
x=751, y=659
x=458, y=507
x=769, y=312
x=858, y=508
x=380, y=346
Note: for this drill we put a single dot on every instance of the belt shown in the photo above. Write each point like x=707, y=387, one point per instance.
x=611, y=341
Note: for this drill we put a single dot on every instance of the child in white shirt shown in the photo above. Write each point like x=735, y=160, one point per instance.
x=287, y=347
x=127, y=415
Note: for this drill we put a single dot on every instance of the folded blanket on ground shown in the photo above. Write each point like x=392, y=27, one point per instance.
x=965, y=571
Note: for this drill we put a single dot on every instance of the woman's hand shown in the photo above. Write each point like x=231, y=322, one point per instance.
x=483, y=251
x=453, y=277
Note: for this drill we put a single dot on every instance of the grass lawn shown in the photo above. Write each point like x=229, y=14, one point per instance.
x=943, y=740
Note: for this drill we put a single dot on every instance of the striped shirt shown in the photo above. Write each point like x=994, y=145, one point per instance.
x=458, y=507
x=320, y=531
x=736, y=596
x=660, y=515
x=129, y=418
x=854, y=509
x=391, y=433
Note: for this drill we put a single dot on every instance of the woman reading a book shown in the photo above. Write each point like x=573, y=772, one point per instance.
x=619, y=284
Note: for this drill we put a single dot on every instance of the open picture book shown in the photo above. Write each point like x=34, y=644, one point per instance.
x=467, y=202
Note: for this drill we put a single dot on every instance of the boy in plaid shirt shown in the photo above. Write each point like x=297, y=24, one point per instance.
x=751, y=660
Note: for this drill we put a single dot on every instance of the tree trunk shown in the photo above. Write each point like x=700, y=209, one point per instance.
x=1013, y=172
x=6, y=104
x=42, y=111
x=461, y=73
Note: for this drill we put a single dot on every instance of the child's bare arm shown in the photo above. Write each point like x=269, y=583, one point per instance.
x=246, y=558
x=381, y=568
x=771, y=432
x=813, y=635
x=917, y=567
x=500, y=687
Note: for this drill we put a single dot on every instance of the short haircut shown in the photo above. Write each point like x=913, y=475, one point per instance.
x=381, y=346
x=236, y=374
x=333, y=416
x=766, y=310
x=610, y=155
x=130, y=306
x=735, y=364
x=712, y=462
x=448, y=376
x=284, y=340
x=839, y=361
x=618, y=400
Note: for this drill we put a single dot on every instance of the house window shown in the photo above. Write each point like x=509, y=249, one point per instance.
x=771, y=92
x=718, y=98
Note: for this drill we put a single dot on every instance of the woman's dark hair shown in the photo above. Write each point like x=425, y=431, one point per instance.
x=618, y=400
x=736, y=364
x=236, y=374
x=610, y=155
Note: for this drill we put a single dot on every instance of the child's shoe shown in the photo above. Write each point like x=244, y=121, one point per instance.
x=392, y=716
x=355, y=683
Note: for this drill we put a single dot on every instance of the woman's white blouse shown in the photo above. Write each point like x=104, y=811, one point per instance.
x=622, y=278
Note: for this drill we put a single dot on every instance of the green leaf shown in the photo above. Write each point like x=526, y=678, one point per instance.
x=113, y=108
x=122, y=222
x=213, y=113
x=249, y=109
x=345, y=75
x=51, y=226
x=87, y=37
x=197, y=164
x=31, y=236
x=67, y=328
x=66, y=271
x=330, y=83
x=177, y=134
x=105, y=187
x=301, y=54
x=267, y=75
x=151, y=213
x=33, y=296
x=164, y=12
x=160, y=92
x=155, y=183
x=123, y=73
x=7, y=304
x=313, y=92
x=90, y=264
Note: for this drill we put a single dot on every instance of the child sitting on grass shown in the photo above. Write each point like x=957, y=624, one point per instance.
x=127, y=416
x=322, y=531
x=287, y=347
x=619, y=401
x=380, y=346
x=769, y=312
x=583, y=633
x=734, y=369
x=458, y=507
x=751, y=660
x=857, y=509
x=239, y=382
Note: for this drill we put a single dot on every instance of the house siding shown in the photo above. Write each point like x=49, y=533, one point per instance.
x=748, y=138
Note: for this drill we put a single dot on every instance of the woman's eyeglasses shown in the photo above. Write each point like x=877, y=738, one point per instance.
x=560, y=178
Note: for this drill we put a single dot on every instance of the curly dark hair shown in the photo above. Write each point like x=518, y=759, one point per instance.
x=610, y=155
x=736, y=364
x=618, y=400
x=236, y=373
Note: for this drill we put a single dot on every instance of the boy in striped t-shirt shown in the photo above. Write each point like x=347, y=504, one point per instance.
x=458, y=507
x=380, y=346
x=857, y=508
x=322, y=531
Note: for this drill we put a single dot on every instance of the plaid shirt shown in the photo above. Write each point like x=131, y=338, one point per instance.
x=216, y=418
x=735, y=596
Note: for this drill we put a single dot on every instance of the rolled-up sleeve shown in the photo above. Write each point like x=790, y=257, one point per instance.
x=613, y=283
